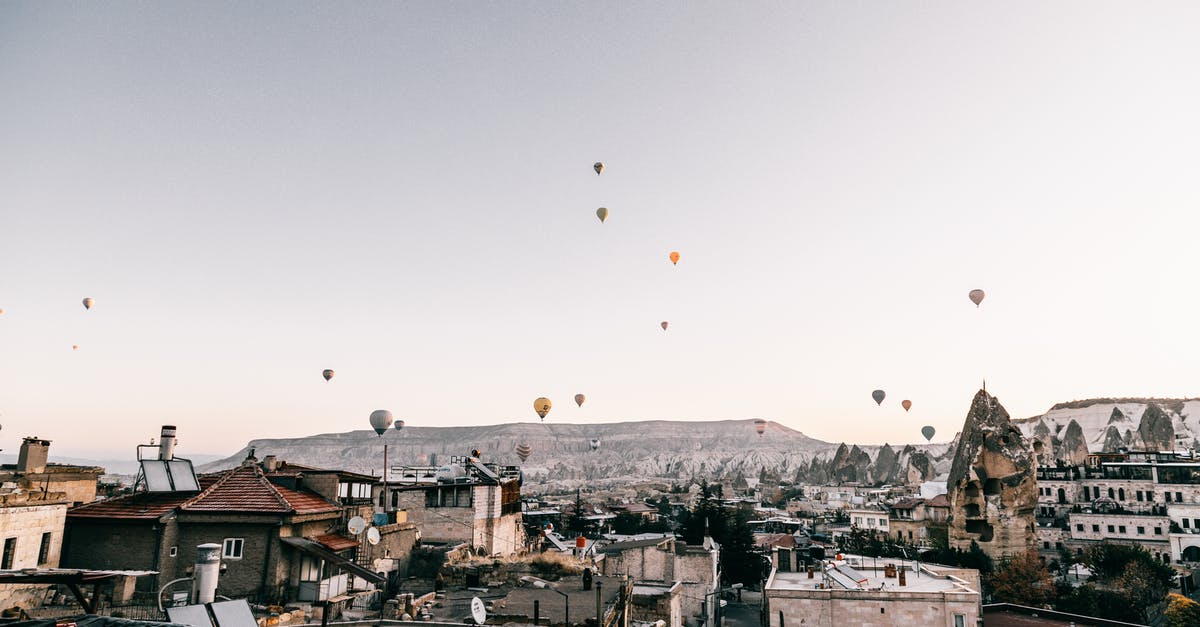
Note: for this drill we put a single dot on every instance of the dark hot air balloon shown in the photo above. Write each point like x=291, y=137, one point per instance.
x=976, y=296
x=928, y=432
x=579, y=399
x=878, y=396
x=598, y=167
x=602, y=213
x=327, y=373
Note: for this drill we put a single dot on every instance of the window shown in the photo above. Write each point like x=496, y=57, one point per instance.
x=1141, y=531
x=1158, y=531
x=1110, y=528
x=1150, y=495
x=1095, y=492
x=44, y=551
x=10, y=551
x=960, y=620
x=1121, y=494
x=1185, y=523
x=1139, y=495
x=1111, y=494
x=1196, y=523
x=1179, y=497
x=1046, y=545
x=174, y=551
x=1168, y=496
x=1121, y=529
x=233, y=548
x=310, y=569
x=1095, y=528
x=1078, y=527
x=1058, y=545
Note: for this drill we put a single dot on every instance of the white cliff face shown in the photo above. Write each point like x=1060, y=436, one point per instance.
x=666, y=451
x=1141, y=424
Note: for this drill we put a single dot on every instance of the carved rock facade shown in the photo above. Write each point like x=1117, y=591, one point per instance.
x=992, y=483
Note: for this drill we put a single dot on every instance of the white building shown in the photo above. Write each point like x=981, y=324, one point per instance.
x=870, y=518
x=31, y=533
x=861, y=592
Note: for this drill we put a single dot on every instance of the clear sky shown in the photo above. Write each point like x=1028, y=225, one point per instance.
x=404, y=192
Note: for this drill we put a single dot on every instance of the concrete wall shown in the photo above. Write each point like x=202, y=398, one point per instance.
x=438, y=524
x=830, y=608
x=644, y=563
x=1140, y=528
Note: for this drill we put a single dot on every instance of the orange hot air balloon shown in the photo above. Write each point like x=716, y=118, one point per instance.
x=674, y=257
x=579, y=399
x=542, y=406
x=760, y=426
x=524, y=451
x=906, y=404
x=74, y=347
x=976, y=296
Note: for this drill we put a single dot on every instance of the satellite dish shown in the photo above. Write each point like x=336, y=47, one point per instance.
x=356, y=525
x=373, y=536
x=478, y=612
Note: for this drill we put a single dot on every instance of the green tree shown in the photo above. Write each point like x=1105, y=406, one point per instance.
x=1022, y=580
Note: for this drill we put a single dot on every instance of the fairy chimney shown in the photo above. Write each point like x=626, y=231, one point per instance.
x=992, y=483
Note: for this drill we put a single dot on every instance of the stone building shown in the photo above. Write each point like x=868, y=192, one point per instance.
x=886, y=593
x=31, y=529
x=665, y=561
x=464, y=502
x=919, y=521
x=33, y=472
x=992, y=485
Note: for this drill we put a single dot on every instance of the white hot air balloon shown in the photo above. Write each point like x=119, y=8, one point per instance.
x=381, y=420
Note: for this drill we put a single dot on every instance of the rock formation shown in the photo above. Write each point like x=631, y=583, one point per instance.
x=992, y=483
x=1155, y=430
x=1073, y=447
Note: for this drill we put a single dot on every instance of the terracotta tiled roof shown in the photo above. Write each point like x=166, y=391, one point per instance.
x=938, y=501
x=335, y=542
x=907, y=503
x=305, y=502
x=131, y=506
x=242, y=489
x=782, y=540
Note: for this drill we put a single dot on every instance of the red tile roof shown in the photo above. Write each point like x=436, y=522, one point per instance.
x=938, y=501
x=242, y=489
x=907, y=503
x=335, y=542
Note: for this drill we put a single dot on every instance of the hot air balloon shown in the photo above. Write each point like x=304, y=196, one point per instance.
x=327, y=373
x=760, y=426
x=381, y=419
x=878, y=396
x=598, y=167
x=524, y=451
x=906, y=404
x=594, y=443
x=399, y=425
x=674, y=257
x=579, y=399
x=664, y=325
x=74, y=347
x=928, y=432
x=542, y=407
x=602, y=213
x=88, y=302
x=1, y=312
x=976, y=296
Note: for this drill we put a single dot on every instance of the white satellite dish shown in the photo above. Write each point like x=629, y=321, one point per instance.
x=478, y=612
x=373, y=536
x=356, y=525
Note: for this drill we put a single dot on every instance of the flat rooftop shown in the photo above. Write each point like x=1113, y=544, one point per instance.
x=868, y=574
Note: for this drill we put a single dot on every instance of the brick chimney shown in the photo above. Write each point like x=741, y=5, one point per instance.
x=32, y=458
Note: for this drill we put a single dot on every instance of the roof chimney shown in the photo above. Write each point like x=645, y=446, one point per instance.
x=32, y=458
x=270, y=464
x=166, y=445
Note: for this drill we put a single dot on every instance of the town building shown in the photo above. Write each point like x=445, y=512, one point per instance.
x=919, y=521
x=31, y=528
x=882, y=593
x=464, y=502
x=666, y=561
x=278, y=543
x=34, y=472
x=870, y=518
x=1151, y=499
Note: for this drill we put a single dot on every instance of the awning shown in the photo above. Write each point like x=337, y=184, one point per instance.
x=316, y=549
x=336, y=542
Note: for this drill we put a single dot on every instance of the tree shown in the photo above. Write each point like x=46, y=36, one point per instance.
x=1181, y=611
x=1022, y=580
x=576, y=522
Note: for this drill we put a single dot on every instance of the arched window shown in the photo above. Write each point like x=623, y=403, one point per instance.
x=1110, y=494
x=1121, y=494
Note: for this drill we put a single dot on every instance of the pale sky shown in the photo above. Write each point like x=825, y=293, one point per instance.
x=404, y=192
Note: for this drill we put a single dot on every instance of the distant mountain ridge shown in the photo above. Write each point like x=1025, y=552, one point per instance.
x=1071, y=431
x=630, y=452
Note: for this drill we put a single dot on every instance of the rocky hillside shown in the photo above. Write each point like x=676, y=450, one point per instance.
x=1069, y=431
x=630, y=452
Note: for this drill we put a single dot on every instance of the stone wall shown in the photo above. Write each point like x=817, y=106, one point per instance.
x=25, y=518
